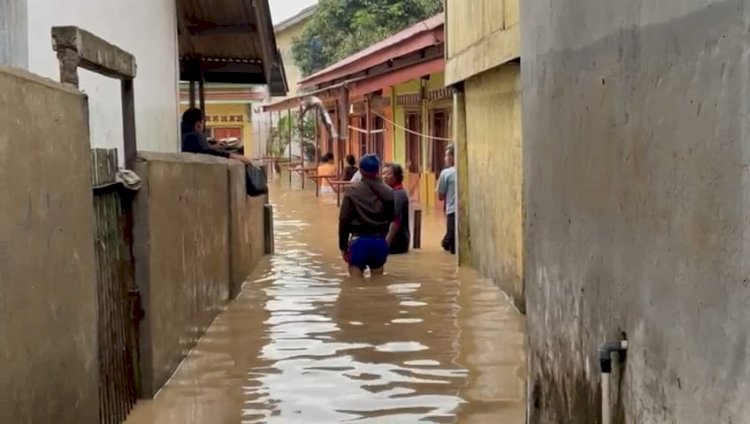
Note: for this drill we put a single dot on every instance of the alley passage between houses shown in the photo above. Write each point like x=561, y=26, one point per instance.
x=304, y=343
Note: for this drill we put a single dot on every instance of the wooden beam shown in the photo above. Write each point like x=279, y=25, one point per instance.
x=291, y=127
x=201, y=89
x=343, y=102
x=192, y=92
x=368, y=113
x=128, y=122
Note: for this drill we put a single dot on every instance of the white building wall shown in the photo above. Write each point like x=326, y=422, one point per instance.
x=145, y=28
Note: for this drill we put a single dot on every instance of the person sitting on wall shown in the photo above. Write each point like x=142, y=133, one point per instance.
x=327, y=168
x=351, y=168
x=398, y=233
x=195, y=141
x=367, y=211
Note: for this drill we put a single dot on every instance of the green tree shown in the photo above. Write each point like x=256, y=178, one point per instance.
x=280, y=135
x=340, y=28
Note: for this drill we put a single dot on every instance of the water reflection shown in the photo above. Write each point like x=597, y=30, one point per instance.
x=303, y=343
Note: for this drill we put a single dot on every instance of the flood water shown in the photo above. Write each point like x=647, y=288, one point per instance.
x=303, y=343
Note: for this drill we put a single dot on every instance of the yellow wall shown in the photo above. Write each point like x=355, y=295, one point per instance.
x=495, y=177
x=481, y=35
x=427, y=181
x=228, y=109
x=284, y=42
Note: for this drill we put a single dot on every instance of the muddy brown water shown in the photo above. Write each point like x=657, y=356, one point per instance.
x=303, y=343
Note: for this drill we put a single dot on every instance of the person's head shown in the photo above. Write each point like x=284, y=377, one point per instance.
x=350, y=160
x=192, y=120
x=393, y=174
x=369, y=166
x=327, y=158
x=449, y=156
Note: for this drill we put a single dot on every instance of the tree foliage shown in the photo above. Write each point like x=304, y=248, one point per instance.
x=340, y=28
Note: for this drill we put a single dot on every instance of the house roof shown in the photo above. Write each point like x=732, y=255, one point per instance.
x=300, y=17
x=413, y=39
x=234, y=41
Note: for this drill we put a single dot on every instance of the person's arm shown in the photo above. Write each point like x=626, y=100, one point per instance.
x=442, y=186
x=205, y=147
x=344, y=224
x=398, y=205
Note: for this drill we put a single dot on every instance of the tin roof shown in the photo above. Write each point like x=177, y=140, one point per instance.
x=233, y=38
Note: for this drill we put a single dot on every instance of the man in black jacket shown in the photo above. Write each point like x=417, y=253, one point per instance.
x=367, y=211
x=195, y=141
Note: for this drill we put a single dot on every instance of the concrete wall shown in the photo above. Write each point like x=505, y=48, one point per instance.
x=245, y=229
x=635, y=136
x=495, y=181
x=47, y=275
x=145, y=28
x=187, y=261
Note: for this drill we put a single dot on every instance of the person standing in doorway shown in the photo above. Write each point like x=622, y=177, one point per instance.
x=398, y=234
x=446, y=189
x=367, y=211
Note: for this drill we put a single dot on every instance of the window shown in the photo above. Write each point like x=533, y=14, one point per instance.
x=413, y=142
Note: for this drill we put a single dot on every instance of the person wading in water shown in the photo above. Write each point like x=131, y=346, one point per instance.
x=367, y=211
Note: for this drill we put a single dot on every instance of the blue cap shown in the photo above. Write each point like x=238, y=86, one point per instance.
x=369, y=164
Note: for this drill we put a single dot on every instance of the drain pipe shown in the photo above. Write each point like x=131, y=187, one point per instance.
x=605, y=364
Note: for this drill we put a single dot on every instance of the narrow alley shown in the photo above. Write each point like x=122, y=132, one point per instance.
x=304, y=343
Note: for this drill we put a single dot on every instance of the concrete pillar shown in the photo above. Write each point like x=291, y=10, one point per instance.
x=463, y=230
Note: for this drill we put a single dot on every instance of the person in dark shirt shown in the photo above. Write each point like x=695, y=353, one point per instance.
x=351, y=168
x=367, y=211
x=195, y=141
x=398, y=234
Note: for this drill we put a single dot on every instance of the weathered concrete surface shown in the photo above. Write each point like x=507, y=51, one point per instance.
x=181, y=253
x=93, y=53
x=197, y=237
x=245, y=229
x=48, y=347
x=636, y=161
x=494, y=175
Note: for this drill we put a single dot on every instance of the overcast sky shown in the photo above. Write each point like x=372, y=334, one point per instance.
x=282, y=9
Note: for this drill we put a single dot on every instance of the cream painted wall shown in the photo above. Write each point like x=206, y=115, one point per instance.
x=145, y=28
x=495, y=177
x=284, y=42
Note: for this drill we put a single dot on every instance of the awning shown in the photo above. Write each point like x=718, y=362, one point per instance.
x=232, y=40
x=399, y=76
